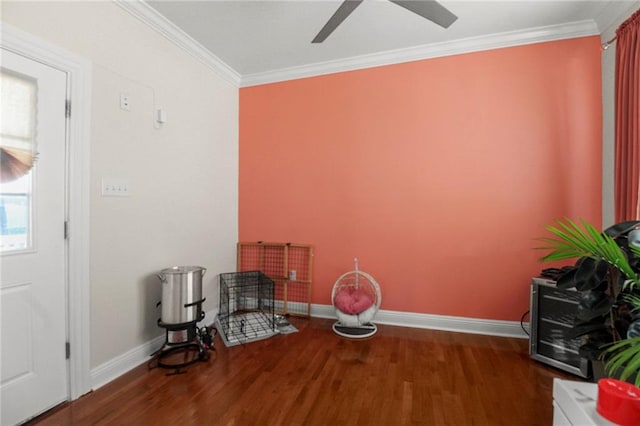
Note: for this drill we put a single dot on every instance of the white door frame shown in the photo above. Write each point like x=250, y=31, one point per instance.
x=78, y=72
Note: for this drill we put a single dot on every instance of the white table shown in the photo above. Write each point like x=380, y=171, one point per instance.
x=574, y=404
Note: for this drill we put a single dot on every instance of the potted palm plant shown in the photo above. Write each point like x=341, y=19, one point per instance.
x=623, y=357
x=606, y=275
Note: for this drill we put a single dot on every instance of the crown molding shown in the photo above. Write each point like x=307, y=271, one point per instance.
x=613, y=15
x=149, y=16
x=429, y=51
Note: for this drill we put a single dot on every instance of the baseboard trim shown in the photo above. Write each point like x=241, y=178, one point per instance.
x=121, y=364
x=436, y=322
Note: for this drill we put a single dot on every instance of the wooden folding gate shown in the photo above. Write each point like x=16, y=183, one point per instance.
x=289, y=265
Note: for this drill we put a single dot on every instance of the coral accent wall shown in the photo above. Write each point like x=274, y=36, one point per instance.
x=438, y=175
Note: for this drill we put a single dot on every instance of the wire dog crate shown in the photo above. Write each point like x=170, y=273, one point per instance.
x=289, y=265
x=246, y=307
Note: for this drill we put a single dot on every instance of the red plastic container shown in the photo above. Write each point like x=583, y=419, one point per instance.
x=619, y=402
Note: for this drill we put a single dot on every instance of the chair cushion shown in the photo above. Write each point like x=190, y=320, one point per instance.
x=352, y=301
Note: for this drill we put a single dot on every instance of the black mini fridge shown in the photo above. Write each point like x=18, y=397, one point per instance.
x=553, y=311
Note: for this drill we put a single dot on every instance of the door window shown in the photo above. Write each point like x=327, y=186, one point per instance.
x=17, y=156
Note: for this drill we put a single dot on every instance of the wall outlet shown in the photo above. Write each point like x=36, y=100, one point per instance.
x=115, y=187
x=124, y=102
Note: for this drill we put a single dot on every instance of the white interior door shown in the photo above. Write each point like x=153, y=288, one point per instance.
x=33, y=298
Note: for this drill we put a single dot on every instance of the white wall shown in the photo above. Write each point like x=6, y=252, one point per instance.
x=183, y=176
x=622, y=12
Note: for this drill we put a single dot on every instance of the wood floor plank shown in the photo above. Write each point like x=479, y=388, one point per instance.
x=400, y=376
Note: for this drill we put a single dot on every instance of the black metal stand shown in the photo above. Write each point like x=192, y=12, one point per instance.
x=192, y=341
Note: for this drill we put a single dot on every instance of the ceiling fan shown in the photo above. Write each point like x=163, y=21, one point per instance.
x=429, y=9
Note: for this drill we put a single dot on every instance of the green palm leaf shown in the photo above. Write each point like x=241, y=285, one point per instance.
x=634, y=300
x=623, y=359
x=584, y=240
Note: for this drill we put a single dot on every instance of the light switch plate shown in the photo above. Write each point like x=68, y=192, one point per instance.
x=112, y=187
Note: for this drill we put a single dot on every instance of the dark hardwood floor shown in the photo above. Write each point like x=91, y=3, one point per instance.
x=314, y=377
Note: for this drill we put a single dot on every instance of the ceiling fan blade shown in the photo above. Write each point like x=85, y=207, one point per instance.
x=336, y=19
x=429, y=9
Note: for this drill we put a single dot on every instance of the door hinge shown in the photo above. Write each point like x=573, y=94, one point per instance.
x=66, y=230
x=67, y=108
x=67, y=350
